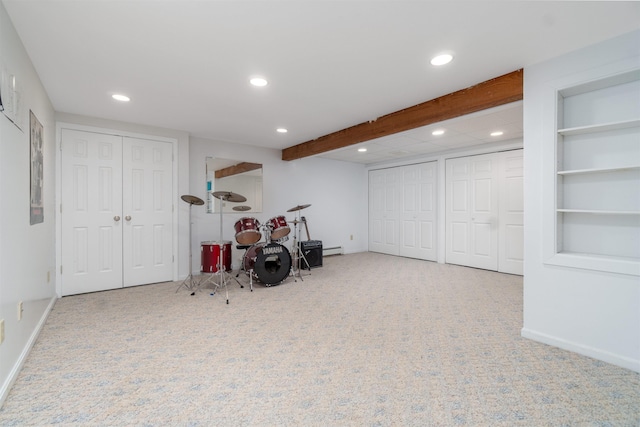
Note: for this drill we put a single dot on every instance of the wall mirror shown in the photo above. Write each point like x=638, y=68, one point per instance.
x=238, y=177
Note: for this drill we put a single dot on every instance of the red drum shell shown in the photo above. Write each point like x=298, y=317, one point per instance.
x=210, y=256
x=247, y=231
x=270, y=268
x=249, y=259
x=279, y=227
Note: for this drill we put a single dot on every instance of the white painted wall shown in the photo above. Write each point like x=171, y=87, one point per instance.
x=27, y=252
x=337, y=192
x=593, y=313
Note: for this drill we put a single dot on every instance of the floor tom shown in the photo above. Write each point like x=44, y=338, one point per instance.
x=212, y=254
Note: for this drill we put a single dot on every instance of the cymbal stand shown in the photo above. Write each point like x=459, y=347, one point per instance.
x=188, y=282
x=297, y=253
x=223, y=276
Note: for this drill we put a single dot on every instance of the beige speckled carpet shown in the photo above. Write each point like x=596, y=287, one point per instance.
x=365, y=340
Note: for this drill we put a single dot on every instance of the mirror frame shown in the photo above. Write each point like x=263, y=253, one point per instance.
x=236, y=176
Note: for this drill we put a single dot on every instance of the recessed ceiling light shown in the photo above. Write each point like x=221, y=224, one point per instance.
x=442, y=59
x=122, y=98
x=497, y=133
x=362, y=150
x=258, y=81
x=282, y=130
x=438, y=132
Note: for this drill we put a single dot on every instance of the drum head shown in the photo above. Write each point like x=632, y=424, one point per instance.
x=273, y=264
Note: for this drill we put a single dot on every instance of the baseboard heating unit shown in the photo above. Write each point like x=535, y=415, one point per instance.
x=336, y=250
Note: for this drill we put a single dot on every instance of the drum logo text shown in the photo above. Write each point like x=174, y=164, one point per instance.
x=272, y=250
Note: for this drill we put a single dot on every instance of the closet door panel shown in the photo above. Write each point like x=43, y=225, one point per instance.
x=148, y=210
x=91, y=224
x=418, y=213
x=383, y=211
x=472, y=212
x=511, y=227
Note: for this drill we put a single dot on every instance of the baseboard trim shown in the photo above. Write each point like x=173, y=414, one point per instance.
x=15, y=371
x=605, y=356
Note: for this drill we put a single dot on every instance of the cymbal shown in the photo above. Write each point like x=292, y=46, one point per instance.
x=297, y=208
x=192, y=200
x=242, y=208
x=229, y=196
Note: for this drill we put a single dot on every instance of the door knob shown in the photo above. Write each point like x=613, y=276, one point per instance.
x=116, y=218
x=128, y=218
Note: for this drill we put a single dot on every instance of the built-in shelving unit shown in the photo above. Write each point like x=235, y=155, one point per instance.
x=598, y=175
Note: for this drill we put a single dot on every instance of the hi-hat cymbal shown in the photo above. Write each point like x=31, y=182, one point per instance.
x=242, y=208
x=229, y=196
x=192, y=200
x=297, y=208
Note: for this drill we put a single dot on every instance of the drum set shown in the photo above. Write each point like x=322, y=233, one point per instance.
x=268, y=261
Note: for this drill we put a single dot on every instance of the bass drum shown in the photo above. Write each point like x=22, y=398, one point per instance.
x=270, y=263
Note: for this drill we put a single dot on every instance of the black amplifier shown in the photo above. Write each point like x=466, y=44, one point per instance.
x=312, y=251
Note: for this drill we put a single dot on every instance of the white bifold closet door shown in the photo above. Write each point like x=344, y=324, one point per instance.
x=402, y=219
x=484, y=211
x=116, y=213
x=384, y=210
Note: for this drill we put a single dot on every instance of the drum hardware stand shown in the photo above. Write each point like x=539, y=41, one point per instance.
x=297, y=253
x=224, y=276
x=189, y=282
x=245, y=247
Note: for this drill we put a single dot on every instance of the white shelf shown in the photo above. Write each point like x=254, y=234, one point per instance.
x=598, y=212
x=598, y=170
x=597, y=175
x=621, y=265
x=581, y=130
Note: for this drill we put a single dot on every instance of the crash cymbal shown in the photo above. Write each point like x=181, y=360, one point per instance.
x=192, y=200
x=229, y=196
x=297, y=208
x=242, y=208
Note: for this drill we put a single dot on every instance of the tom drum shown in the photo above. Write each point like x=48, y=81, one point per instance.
x=279, y=227
x=247, y=231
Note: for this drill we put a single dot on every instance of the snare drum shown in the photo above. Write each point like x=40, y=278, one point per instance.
x=247, y=231
x=210, y=253
x=279, y=227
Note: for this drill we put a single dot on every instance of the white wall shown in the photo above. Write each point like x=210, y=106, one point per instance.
x=593, y=313
x=27, y=252
x=337, y=192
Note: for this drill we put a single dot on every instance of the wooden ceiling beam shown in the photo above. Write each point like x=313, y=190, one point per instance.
x=491, y=93
x=236, y=169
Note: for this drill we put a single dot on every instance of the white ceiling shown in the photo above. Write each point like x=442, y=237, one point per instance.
x=330, y=64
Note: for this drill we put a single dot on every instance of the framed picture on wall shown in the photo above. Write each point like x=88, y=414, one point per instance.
x=37, y=210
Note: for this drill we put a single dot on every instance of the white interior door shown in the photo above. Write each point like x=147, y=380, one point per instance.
x=384, y=200
x=117, y=211
x=148, y=211
x=418, y=226
x=472, y=211
x=511, y=227
x=91, y=208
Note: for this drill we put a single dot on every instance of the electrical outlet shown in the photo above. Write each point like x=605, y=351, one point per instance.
x=1, y=330
x=19, y=310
